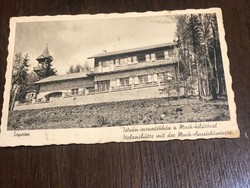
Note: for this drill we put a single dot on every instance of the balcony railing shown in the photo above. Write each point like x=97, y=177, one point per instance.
x=147, y=84
x=121, y=88
x=69, y=94
x=139, y=64
x=93, y=91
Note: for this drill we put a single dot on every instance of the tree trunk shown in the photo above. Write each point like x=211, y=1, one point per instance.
x=195, y=61
x=214, y=89
x=13, y=100
x=218, y=60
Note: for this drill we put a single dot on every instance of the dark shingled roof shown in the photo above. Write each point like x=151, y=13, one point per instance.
x=62, y=77
x=134, y=50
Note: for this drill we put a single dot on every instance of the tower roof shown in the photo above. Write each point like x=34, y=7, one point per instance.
x=45, y=54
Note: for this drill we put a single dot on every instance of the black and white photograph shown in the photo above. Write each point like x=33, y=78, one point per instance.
x=119, y=70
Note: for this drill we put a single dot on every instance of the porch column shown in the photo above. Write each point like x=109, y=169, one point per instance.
x=136, y=80
x=166, y=54
x=147, y=57
x=112, y=84
x=155, y=77
x=99, y=66
x=112, y=65
x=149, y=78
x=131, y=82
x=130, y=60
x=153, y=57
x=117, y=62
x=117, y=82
x=135, y=59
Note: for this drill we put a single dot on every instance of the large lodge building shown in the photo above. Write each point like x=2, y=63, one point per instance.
x=112, y=76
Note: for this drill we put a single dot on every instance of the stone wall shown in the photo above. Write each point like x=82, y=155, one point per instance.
x=66, y=84
x=142, y=93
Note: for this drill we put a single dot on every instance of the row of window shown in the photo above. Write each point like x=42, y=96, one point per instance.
x=127, y=81
x=124, y=81
x=104, y=85
x=139, y=58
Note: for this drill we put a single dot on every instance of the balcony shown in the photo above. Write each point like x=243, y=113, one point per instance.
x=121, y=88
x=144, y=85
x=93, y=92
x=134, y=66
x=70, y=94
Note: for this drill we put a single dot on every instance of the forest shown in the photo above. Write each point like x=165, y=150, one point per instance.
x=200, y=55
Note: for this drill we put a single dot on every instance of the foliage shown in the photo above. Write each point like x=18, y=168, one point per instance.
x=19, y=82
x=73, y=69
x=78, y=68
x=50, y=72
x=171, y=83
x=46, y=70
x=32, y=78
x=20, y=69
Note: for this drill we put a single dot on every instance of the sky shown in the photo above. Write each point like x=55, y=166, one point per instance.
x=72, y=42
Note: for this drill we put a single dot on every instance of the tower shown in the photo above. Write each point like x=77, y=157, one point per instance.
x=44, y=68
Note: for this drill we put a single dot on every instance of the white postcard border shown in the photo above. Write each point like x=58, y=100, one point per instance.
x=112, y=134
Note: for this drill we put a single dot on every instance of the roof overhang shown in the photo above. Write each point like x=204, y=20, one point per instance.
x=64, y=77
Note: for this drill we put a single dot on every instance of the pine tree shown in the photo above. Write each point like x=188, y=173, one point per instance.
x=19, y=78
x=76, y=69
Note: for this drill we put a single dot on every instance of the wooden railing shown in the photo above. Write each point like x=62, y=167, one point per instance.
x=93, y=92
x=121, y=88
x=143, y=85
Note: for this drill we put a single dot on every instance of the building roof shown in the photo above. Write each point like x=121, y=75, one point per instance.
x=62, y=77
x=45, y=54
x=134, y=50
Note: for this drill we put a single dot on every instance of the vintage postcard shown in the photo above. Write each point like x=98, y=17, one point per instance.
x=150, y=76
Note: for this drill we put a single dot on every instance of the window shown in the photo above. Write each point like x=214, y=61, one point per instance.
x=124, y=61
x=96, y=63
x=117, y=62
x=141, y=58
x=124, y=81
x=106, y=63
x=143, y=79
x=75, y=91
x=103, y=85
x=159, y=55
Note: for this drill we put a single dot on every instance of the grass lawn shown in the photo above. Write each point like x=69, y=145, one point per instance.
x=136, y=112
